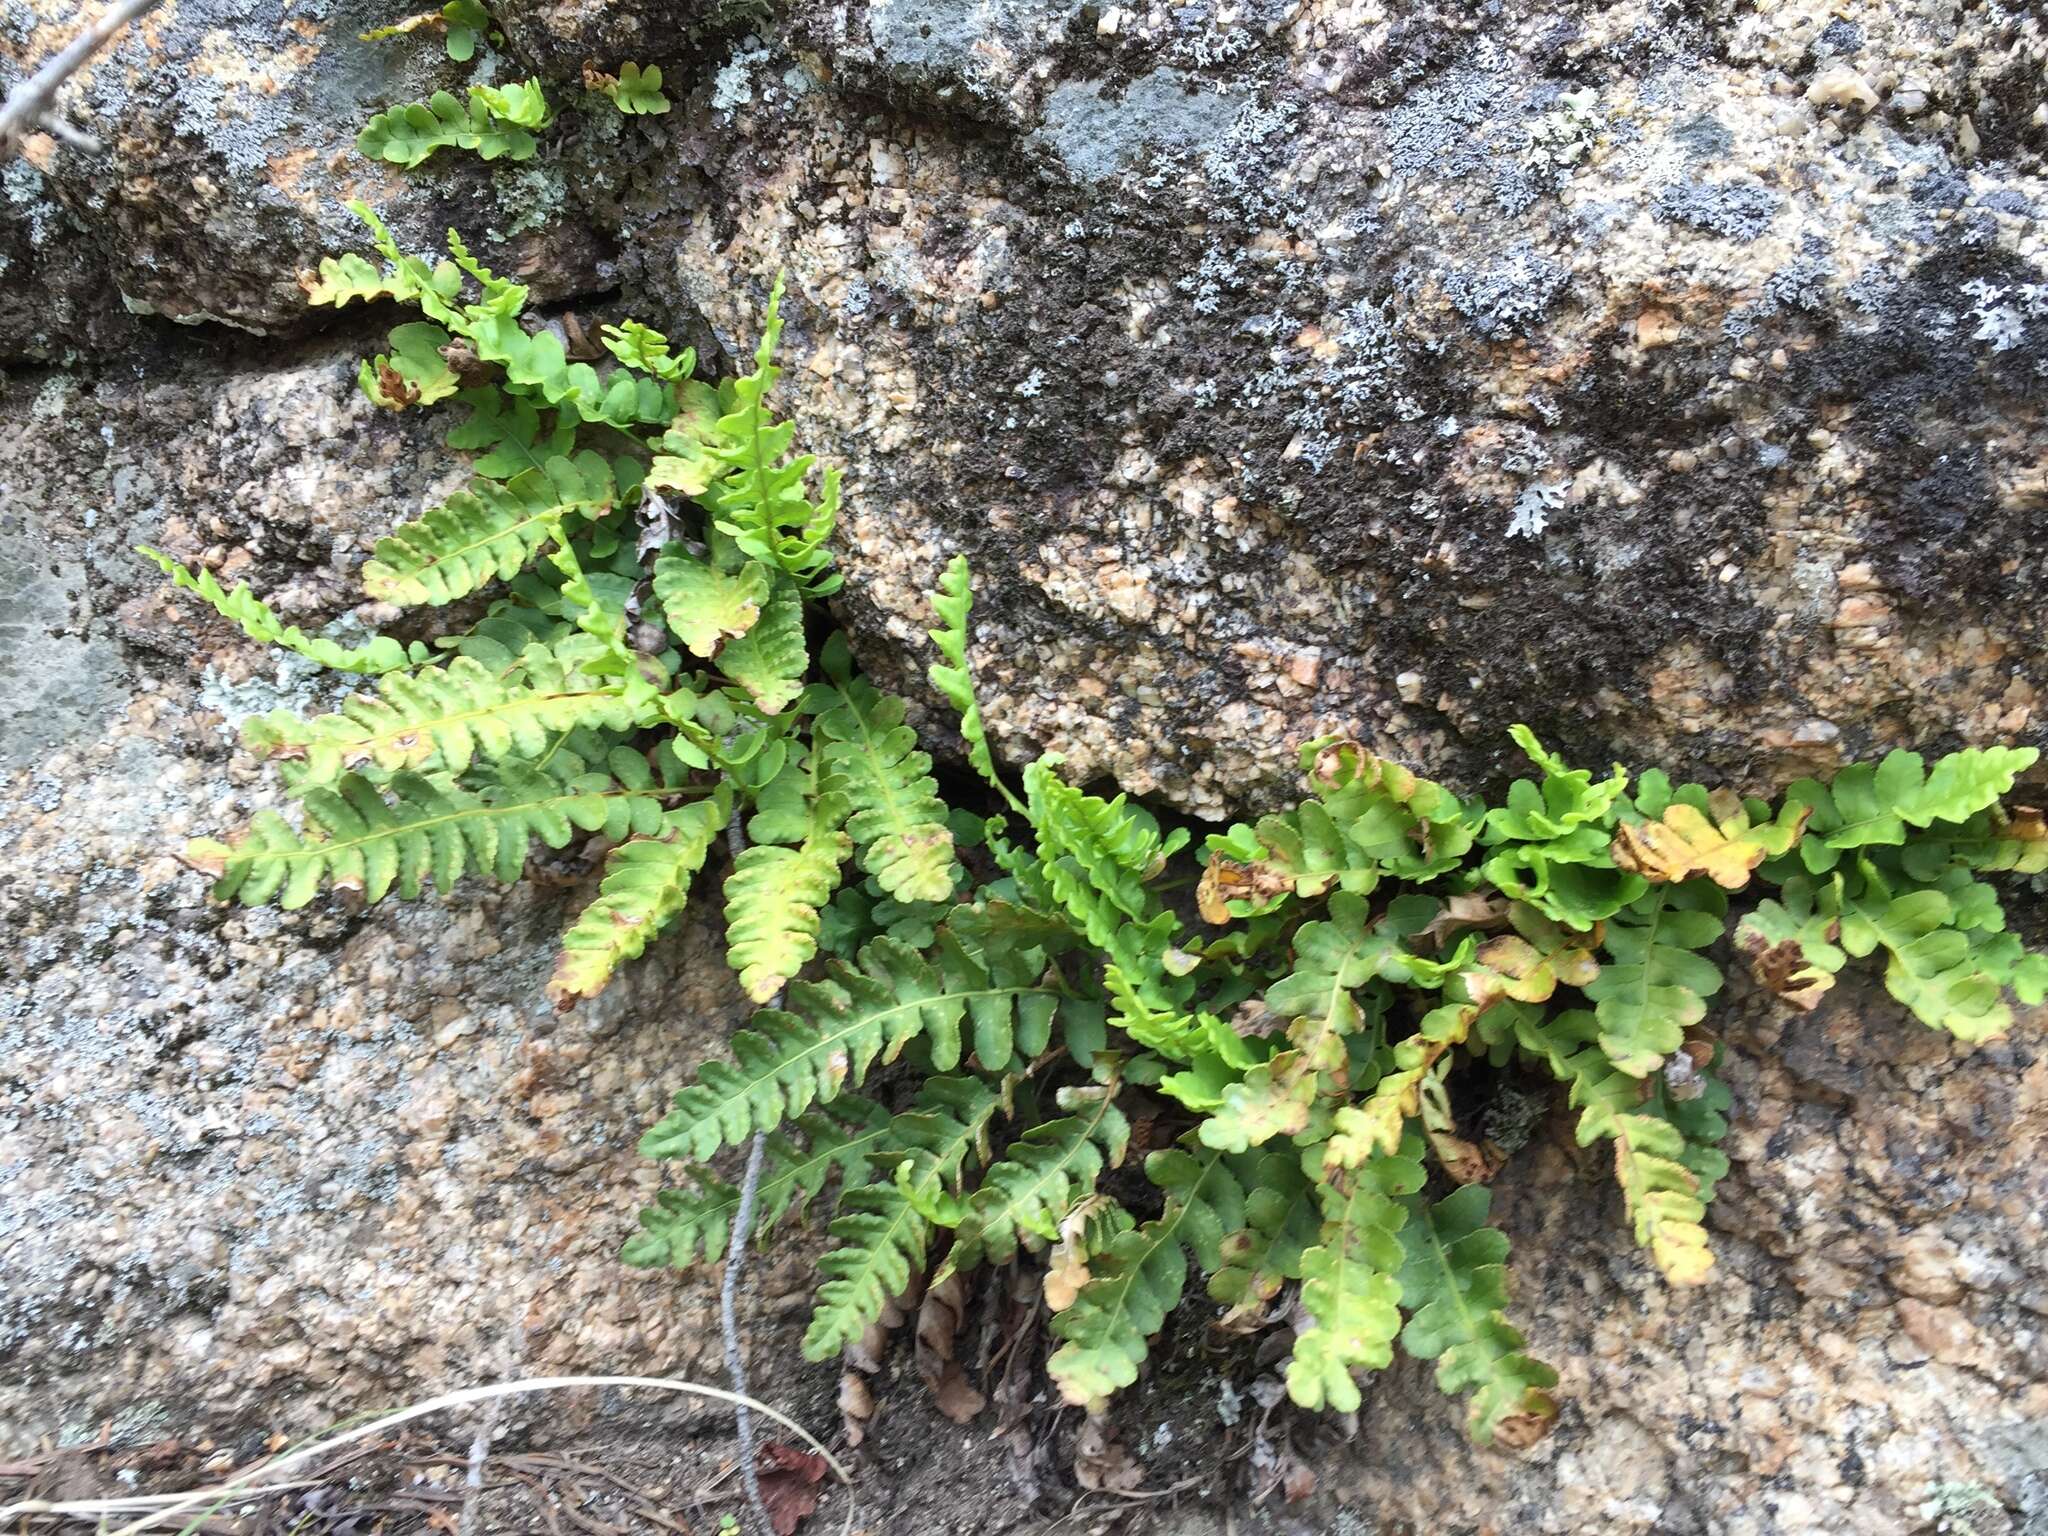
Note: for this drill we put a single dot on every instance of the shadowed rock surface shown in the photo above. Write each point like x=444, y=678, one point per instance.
x=1668, y=378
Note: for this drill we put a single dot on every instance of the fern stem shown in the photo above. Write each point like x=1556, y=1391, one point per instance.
x=735, y=1267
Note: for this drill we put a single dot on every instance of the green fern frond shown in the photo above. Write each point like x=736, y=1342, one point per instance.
x=416, y=830
x=410, y=134
x=634, y=91
x=1939, y=961
x=1112, y=846
x=645, y=887
x=1870, y=805
x=896, y=817
x=340, y=281
x=1349, y=1287
x=643, y=347
x=832, y=1032
x=1024, y=1197
x=1551, y=842
x=441, y=718
x=1654, y=984
x=511, y=433
x=772, y=900
x=523, y=103
x=248, y=612
x=1994, y=841
x=770, y=658
x=1108, y=1330
x=488, y=532
x=1282, y=1220
x=686, y=1226
x=883, y=1231
x=1666, y=1175
x=953, y=602
x=1334, y=960
x=759, y=499
x=1454, y=1288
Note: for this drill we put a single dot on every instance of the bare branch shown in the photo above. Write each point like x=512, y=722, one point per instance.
x=28, y=105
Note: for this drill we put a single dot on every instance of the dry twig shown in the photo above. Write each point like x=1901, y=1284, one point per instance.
x=27, y=107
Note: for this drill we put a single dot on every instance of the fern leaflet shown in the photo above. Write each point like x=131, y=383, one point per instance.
x=1025, y=1196
x=772, y=901
x=427, y=831
x=488, y=532
x=1138, y=1279
x=883, y=1231
x=953, y=602
x=441, y=718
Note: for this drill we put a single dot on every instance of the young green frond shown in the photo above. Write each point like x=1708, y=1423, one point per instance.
x=895, y=816
x=772, y=900
x=832, y=1031
x=758, y=500
x=1138, y=1279
x=1025, y=1195
x=686, y=1226
x=1454, y=1288
x=419, y=830
x=1654, y=983
x=1873, y=804
x=955, y=679
x=409, y=135
x=441, y=719
x=487, y=533
x=645, y=887
x=633, y=90
x=768, y=660
x=254, y=617
x=1349, y=1287
x=883, y=1232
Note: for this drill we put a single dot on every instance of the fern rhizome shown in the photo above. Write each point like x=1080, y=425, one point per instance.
x=965, y=1014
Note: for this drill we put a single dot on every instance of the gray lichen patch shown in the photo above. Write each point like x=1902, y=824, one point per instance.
x=1097, y=132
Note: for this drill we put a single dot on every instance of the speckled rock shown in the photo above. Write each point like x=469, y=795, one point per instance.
x=1664, y=377
x=227, y=162
x=1411, y=371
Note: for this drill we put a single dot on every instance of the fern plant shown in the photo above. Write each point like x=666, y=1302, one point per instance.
x=965, y=1011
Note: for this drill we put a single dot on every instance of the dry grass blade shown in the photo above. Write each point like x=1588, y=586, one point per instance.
x=162, y=1507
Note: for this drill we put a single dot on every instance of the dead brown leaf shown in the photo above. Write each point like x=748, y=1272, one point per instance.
x=469, y=369
x=1469, y=911
x=1783, y=969
x=789, y=1484
x=1467, y=1162
x=396, y=387
x=938, y=1323
x=856, y=1407
x=1101, y=1464
x=1226, y=880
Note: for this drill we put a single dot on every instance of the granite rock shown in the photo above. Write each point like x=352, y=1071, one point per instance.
x=1667, y=377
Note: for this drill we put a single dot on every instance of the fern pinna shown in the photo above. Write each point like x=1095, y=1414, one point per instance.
x=967, y=1015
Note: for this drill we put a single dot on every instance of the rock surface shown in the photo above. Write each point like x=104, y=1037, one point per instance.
x=1668, y=377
